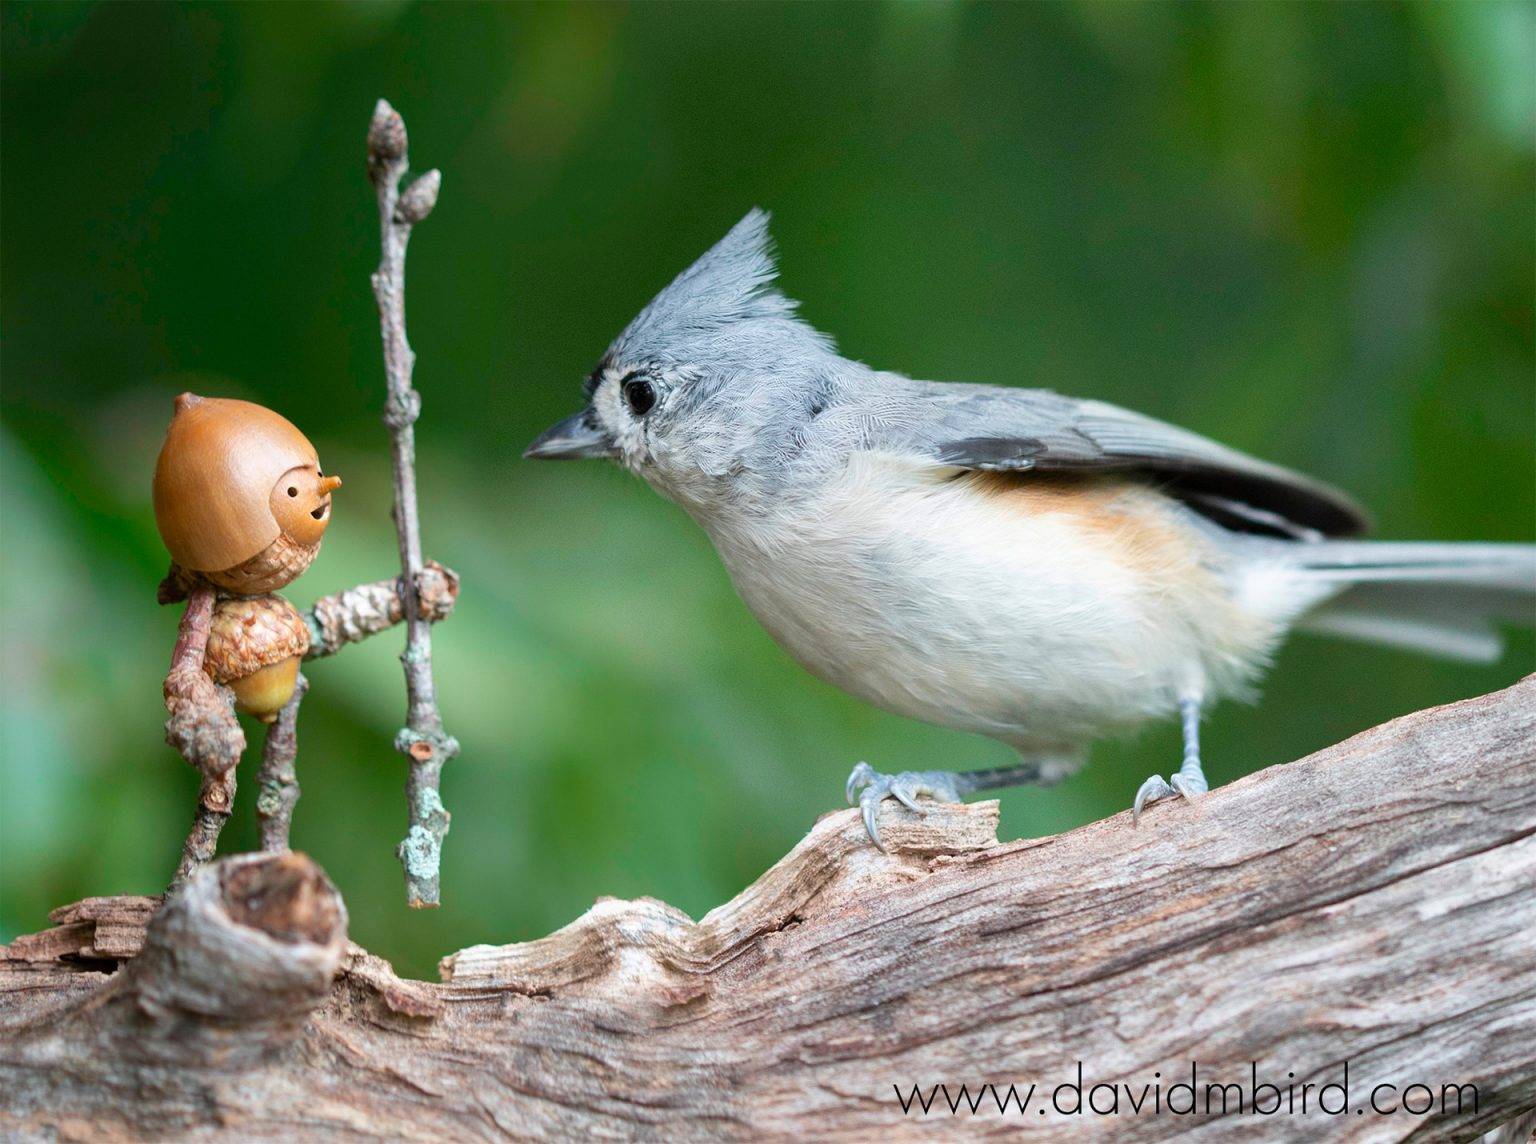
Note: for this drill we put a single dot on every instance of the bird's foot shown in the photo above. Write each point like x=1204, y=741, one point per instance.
x=868, y=788
x=1185, y=785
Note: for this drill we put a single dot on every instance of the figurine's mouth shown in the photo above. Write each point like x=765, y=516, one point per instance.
x=319, y=513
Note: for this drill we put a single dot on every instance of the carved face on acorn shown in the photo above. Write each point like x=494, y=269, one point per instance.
x=240, y=497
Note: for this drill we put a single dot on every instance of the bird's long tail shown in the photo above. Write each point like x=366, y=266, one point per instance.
x=1445, y=599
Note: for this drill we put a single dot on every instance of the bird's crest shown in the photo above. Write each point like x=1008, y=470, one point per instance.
x=731, y=283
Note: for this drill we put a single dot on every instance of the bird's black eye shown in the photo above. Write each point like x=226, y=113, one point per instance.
x=639, y=395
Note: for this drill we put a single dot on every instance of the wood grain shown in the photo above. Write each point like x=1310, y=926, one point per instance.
x=1374, y=903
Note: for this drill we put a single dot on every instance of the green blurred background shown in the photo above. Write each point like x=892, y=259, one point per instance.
x=1304, y=230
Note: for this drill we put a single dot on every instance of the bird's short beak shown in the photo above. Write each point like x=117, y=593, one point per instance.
x=571, y=439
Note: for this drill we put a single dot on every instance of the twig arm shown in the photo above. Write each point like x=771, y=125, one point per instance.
x=423, y=740
x=353, y=615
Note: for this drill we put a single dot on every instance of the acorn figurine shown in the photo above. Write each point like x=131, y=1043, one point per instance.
x=240, y=498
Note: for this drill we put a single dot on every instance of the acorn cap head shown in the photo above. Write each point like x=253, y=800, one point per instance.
x=217, y=476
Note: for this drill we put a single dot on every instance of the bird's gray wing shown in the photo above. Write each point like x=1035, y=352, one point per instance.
x=996, y=429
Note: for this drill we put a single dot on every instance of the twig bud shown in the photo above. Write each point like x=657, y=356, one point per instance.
x=418, y=199
x=386, y=138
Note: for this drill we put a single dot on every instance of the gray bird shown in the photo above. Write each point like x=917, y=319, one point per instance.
x=1040, y=569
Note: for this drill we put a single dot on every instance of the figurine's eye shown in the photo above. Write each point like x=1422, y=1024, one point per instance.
x=639, y=395
x=293, y=492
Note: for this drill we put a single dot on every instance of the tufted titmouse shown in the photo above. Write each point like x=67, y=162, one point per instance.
x=1032, y=567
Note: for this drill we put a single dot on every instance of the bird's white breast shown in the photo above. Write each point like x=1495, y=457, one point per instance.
x=1041, y=612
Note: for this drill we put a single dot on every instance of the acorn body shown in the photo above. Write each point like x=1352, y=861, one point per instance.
x=255, y=645
x=240, y=499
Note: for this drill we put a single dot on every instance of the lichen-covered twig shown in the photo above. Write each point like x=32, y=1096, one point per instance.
x=203, y=728
x=368, y=609
x=423, y=740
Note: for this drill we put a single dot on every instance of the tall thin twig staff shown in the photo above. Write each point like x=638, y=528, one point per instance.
x=423, y=740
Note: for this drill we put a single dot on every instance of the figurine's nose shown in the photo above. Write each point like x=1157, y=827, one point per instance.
x=329, y=483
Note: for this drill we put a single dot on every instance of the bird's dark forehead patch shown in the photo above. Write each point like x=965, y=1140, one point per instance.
x=595, y=378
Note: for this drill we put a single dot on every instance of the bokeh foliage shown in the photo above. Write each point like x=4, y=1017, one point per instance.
x=1303, y=229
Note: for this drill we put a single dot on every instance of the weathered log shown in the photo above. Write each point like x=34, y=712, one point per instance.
x=1373, y=904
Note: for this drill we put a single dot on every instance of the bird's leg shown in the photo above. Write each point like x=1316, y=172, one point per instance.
x=868, y=788
x=1190, y=779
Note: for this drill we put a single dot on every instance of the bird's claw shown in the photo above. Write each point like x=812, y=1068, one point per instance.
x=867, y=788
x=1186, y=787
x=860, y=777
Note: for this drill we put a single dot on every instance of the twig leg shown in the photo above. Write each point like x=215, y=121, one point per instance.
x=277, y=781
x=213, y=806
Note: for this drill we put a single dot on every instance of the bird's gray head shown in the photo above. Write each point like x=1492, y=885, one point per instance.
x=714, y=380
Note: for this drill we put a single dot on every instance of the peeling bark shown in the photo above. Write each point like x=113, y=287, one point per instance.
x=1372, y=903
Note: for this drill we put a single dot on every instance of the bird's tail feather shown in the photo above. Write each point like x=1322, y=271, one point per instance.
x=1445, y=599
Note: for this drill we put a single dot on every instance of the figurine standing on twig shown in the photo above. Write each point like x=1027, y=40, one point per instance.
x=242, y=504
